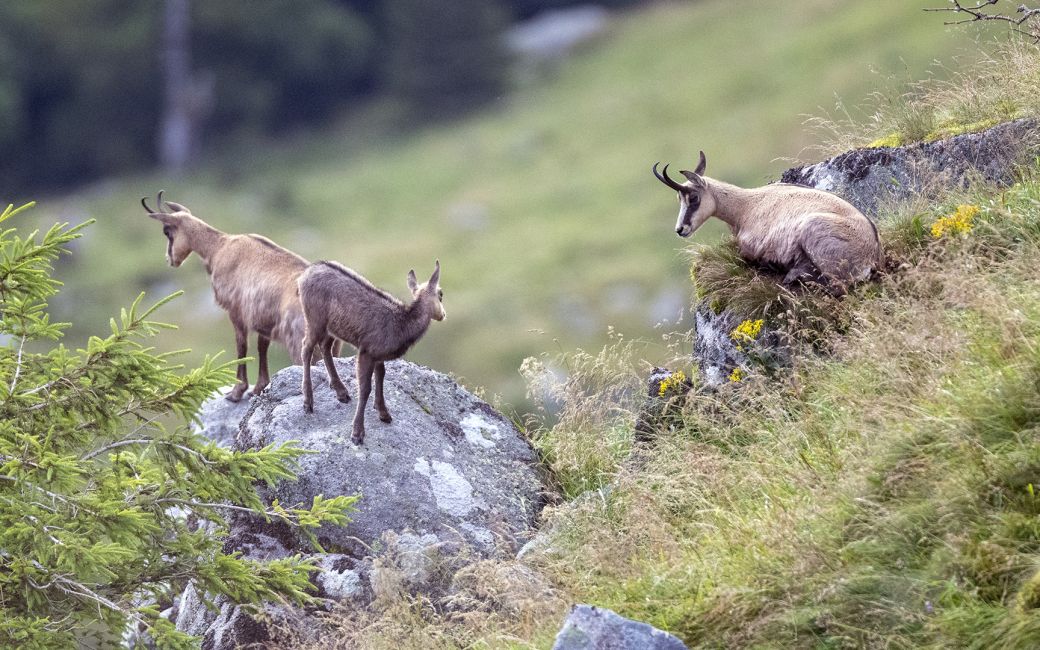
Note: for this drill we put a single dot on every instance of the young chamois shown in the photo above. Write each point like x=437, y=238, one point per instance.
x=339, y=304
x=254, y=281
x=806, y=232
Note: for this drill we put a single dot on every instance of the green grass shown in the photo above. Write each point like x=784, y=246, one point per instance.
x=880, y=496
x=573, y=233
x=884, y=495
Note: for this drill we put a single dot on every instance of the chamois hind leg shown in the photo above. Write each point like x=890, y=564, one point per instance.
x=309, y=343
x=829, y=252
x=803, y=268
x=262, y=378
x=241, y=347
x=365, y=366
x=330, y=366
x=380, y=374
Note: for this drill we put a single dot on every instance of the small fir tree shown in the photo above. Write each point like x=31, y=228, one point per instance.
x=101, y=476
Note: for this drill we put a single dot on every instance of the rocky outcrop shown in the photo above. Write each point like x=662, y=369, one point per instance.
x=713, y=349
x=594, y=628
x=869, y=178
x=218, y=418
x=449, y=478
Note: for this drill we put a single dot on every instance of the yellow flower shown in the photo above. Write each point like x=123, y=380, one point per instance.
x=674, y=380
x=736, y=375
x=959, y=223
x=747, y=331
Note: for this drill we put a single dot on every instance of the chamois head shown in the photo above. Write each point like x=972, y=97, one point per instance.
x=429, y=293
x=696, y=204
x=177, y=221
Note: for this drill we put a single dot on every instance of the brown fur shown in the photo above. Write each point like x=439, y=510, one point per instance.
x=254, y=281
x=804, y=231
x=340, y=304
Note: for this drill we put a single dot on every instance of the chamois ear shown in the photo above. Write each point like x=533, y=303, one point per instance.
x=413, y=285
x=436, y=277
x=176, y=207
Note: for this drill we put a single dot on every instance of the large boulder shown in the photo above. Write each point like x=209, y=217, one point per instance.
x=449, y=480
x=595, y=628
x=219, y=418
x=870, y=177
x=449, y=465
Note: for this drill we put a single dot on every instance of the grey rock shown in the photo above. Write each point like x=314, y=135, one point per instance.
x=448, y=465
x=342, y=578
x=869, y=178
x=219, y=419
x=654, y=405
x=715, y=352
x=594, y=628
x=449, y=478
x=553, y=34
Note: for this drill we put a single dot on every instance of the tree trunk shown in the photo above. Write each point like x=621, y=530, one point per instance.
x=176, y=133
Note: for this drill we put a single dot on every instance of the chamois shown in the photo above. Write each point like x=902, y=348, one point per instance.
x=254, y=281
x=804, y=231
x=339, y=304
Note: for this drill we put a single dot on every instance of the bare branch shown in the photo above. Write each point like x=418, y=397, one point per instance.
x=1027, y=18
x=146, y=441
x=18, y=365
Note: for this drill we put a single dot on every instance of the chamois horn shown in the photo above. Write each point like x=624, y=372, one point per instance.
x=664, y=178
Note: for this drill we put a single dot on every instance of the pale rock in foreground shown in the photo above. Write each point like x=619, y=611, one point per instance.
x=595, y=628
x=449, y=478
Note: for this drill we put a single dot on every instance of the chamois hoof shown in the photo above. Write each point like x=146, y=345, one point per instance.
x=343, y=397
x=357, y=438
x=385, y=417
x=236, y=394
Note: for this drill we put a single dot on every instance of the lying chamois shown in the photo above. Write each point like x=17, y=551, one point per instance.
x=254, y=281
x=806, y=232
x=340, y=304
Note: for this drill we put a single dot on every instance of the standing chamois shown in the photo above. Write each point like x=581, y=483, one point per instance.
x=806, y=232
x=339, y=304
x=254, y=281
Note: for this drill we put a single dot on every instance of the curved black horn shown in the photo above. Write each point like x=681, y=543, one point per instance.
x=664, y=178
x=144, y=202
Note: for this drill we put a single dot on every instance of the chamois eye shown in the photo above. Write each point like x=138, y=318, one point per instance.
x=167, y=231
x=440, y=294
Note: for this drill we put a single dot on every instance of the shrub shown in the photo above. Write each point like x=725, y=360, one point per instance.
x=101, y=478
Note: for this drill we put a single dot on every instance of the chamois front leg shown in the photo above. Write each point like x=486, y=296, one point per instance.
x=380, y=373
x=309, y=343
x=241, y=343
x=365, y=366
x=330, y=365
x=263, y=378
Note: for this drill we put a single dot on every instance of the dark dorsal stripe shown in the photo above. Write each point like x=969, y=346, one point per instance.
x=267, y=242
x=353, y=275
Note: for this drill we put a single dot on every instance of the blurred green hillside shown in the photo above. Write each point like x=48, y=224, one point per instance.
x=542, y=209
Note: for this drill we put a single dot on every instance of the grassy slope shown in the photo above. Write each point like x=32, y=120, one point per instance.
x=882, y=497
x=577, y=233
